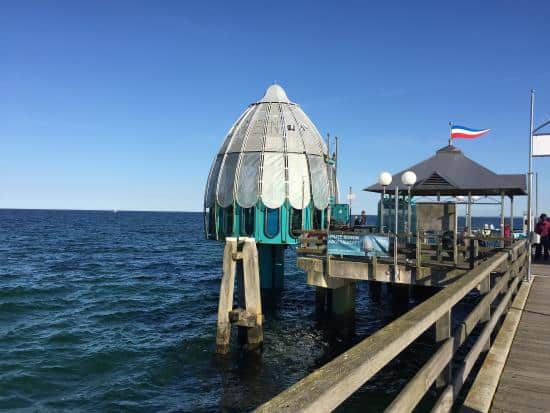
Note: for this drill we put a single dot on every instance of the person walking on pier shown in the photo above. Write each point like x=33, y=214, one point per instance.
x=543, y=229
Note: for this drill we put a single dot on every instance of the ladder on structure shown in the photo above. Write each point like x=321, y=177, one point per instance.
x=240, y=258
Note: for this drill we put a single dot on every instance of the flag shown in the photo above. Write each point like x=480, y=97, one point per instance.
x=466, y=133
x=541, y=144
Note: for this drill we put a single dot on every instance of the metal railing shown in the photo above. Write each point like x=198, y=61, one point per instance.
x=329, y=386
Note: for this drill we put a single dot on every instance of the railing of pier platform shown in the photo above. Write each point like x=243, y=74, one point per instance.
x=329, y=386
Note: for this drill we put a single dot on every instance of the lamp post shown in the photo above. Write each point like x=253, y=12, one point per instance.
x=408, y=179
x=384, y=179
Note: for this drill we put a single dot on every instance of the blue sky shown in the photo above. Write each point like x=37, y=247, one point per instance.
x=112, y=104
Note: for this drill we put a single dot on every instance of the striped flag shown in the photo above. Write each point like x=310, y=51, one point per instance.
x=461, y=132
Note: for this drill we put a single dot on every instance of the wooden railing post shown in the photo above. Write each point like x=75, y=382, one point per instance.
x=473, y=252
x=442, y=333
x=484, y=288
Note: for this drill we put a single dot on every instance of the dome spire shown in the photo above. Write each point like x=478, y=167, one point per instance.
x=275, y=93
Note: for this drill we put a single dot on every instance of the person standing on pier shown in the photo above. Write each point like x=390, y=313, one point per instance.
x=543, y=229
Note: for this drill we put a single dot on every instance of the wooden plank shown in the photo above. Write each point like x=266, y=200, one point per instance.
x=481, y=393
x=525, y=380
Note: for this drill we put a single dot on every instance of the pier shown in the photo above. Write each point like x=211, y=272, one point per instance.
x=273, y=185
x=514, y=376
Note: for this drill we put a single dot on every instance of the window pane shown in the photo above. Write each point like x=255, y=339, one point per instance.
x=295, y=222
x=271, y=222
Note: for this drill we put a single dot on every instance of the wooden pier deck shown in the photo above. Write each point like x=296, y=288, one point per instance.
x=522, y=354
x=525, y=381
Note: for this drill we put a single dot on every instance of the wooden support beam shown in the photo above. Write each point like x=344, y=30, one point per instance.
x=253, y=300
x=249, y=317
x=225, y=303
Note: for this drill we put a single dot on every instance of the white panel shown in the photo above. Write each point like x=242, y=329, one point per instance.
x=212, y=182
x=227, y=180
x=312, y=140
x=273, y=180
x=229, y=136
x=541, y=145
x=298, y=181
x=247, y=184
x=332, y=182
x=240, y=131
x=294, y=142
x=274, y=141
x=256, y=134
x=319, y=181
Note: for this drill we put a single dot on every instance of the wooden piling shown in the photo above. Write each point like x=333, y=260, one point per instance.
x=248, y=316
x=225, y=303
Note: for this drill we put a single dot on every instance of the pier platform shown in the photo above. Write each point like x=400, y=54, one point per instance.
x=515, y=376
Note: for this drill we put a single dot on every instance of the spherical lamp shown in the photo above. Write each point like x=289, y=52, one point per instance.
x=476, y=198
x=384, y=178
x=408, y=178
x=459, y=198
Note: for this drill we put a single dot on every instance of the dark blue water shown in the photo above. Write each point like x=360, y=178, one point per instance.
x=116, y=312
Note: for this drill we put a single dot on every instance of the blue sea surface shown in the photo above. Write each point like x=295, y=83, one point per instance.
x=103, y=311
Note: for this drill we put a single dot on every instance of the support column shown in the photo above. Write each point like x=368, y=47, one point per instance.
x=225, y=303
x=512, y=216
x=271, y=259
x=252, y=297
x=469, y=216
x=442, y=333
x=341, y=301
x=502, y=218
x=248, y=315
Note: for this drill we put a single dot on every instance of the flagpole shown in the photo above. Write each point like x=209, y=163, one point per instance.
x=450, y=133
x=530, y=186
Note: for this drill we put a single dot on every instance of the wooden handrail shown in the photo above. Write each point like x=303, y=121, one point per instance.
x=326, y=388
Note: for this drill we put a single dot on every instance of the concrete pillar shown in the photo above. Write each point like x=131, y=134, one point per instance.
x=341, y=301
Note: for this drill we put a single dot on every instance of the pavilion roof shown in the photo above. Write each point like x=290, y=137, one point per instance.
x=450, y=172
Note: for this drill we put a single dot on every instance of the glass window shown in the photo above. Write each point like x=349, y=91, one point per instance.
x=295, y=222
x=271, y=222
x=228, y=221
x=211, y=228
x=247, y=221
x=318, y=219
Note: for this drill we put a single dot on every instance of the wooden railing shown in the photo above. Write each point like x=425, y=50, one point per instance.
x=329, y=386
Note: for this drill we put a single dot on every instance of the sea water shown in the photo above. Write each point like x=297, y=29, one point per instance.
x=104, y=311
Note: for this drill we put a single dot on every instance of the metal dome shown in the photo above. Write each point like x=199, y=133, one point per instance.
x=272, y=153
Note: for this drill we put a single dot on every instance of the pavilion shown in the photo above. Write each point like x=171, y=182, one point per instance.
x=450, y=173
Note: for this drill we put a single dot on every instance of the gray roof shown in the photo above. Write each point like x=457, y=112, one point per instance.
x=449, y=172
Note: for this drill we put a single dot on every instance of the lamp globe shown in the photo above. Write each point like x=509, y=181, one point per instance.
x=408, y=178
x=384, y=178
